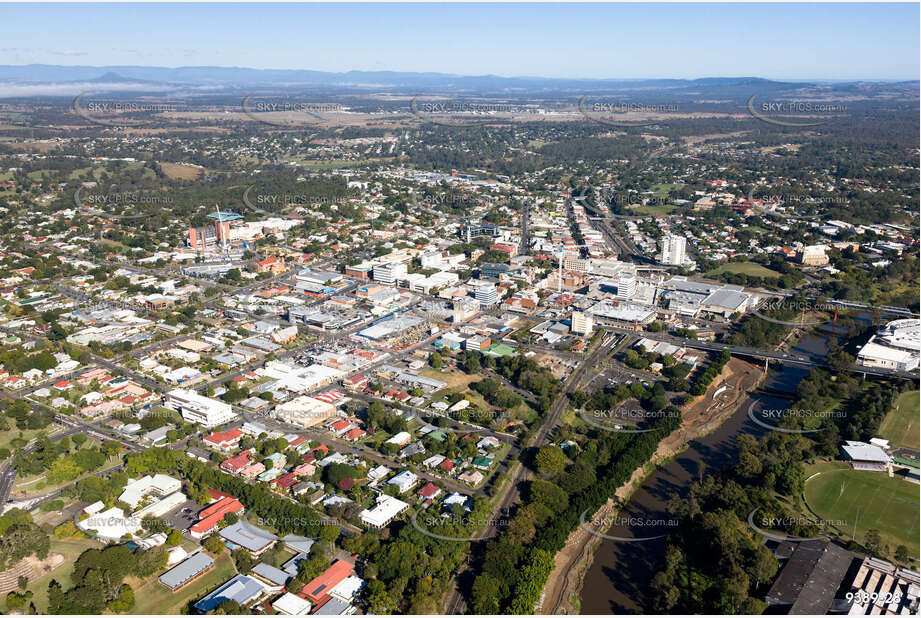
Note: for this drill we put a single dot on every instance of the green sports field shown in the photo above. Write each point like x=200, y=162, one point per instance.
x=872, y=500
x=900, y=426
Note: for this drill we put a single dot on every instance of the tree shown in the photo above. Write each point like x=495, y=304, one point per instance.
x=174, y=538
x=435, y=360
x=124, y=602
x=214, y=544
x=902, y=555
x=873, y=542
x=329, y=534
x=550, y=460
x=243, y=560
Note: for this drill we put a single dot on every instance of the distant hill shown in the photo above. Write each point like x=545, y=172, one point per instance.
x=238, y=78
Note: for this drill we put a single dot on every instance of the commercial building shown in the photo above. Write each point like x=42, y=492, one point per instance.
x=305, y=411
x=389, y=273
x=813, y=255
x=317, y=277
x=623, y=313
x=623, y=286
x=196, y=408
x=470, y=231
x=897, y=346
x=477, y=342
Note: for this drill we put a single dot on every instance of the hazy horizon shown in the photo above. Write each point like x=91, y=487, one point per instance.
x=856, y=41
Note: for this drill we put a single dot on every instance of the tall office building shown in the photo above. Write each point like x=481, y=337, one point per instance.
x=582, y=323
x=673, y=249
x=626, y=286
x=487, y=295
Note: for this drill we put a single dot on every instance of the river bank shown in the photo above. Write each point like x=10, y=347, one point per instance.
x=701, y=417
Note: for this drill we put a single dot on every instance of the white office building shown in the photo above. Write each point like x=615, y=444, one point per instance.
x=582, y=323
x=673, y=250
x=487, y=295
x=390, y=273
x=196, y=408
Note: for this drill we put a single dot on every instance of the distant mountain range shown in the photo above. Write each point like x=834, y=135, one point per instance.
x=44, y=79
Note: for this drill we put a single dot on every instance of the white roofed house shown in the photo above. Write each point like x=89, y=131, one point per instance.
x=400, y=439
x=384, y=511
x=404, y=481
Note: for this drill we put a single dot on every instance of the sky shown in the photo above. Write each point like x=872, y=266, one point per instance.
x=775, y=41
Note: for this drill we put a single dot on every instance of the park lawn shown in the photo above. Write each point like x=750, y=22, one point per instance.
x=69, y=548
x=658, y=210
x=152, y=597
x=665, y=189
x=871, y=500
x=900, y=426
x=27, y=434
x=745, y=268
